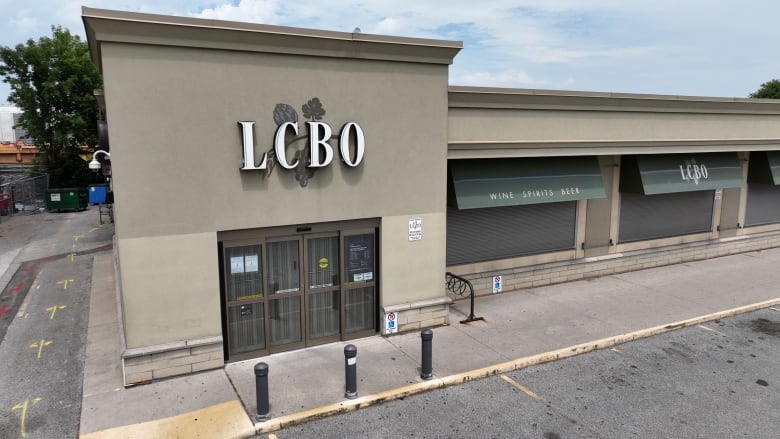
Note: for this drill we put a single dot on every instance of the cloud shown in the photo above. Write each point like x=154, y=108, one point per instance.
x=510, y=78
x=387, y=25
x=693, y=47
x=262, y=11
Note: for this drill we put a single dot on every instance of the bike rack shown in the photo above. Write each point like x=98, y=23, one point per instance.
x=459, y=285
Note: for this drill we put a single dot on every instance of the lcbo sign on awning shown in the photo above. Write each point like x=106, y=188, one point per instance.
x=317, y=152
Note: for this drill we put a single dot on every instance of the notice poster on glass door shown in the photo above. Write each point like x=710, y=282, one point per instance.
x=359, y=252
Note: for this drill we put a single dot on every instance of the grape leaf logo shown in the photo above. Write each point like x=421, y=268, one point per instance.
x=283, y=113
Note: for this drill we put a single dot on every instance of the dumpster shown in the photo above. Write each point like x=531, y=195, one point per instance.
x=66, y=198
x=97, y=193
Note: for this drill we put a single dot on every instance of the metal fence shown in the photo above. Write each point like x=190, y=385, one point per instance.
x=23, y=195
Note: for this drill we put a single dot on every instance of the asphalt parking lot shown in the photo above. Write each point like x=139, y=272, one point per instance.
x=717, y=380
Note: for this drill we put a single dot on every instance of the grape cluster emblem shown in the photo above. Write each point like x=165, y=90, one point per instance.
x=313, y=111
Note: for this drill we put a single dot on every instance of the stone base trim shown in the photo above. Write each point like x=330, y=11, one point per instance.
x=143, y=365
x=559, y=272
x=418, y=315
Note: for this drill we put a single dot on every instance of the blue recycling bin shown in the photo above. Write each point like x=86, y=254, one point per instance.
x=97, y=193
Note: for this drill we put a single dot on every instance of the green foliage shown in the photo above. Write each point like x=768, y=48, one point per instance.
x=768, y=90
x=52, y=81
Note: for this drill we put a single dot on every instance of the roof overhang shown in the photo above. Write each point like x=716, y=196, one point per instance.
x=104, y=25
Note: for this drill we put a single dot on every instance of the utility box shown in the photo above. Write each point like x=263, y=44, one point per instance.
x=97, y=193
x=66, y=199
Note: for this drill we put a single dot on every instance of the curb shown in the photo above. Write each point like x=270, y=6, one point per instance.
x=500, y=368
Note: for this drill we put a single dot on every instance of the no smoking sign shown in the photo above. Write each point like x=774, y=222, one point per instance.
x=391, y=323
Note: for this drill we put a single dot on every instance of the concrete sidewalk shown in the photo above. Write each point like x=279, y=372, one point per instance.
x=521, y=328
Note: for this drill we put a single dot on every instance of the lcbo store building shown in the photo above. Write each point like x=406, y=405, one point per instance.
x=277, y=188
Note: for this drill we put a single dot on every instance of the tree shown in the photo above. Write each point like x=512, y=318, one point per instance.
x=768, y=90
x=52, y=81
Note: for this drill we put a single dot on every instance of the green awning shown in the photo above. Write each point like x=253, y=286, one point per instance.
x=475, y=183
x=669, y=173
x=764, y=167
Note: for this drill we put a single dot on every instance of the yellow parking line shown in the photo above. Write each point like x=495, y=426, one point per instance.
x=536, y=396
x=522, y=388
x=712, y=330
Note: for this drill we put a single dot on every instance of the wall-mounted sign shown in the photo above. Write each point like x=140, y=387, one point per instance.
x=478, y=183
x=316, y=152
x=391, y=323
x=692, y=171
x=498, y=283
x=415, y=229
x=651, y=174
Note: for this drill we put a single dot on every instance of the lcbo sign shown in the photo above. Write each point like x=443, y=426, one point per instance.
x=694, y=172
x=320, y=152
x=316, y=153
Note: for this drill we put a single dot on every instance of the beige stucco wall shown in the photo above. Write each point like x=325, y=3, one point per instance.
x=404, y=280
x=176, y=148
x=169, y=287
x=176, y=152
x=599, y=217
x=530, y=123
x=578, y=125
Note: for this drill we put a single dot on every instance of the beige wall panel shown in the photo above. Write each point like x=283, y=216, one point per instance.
x=176, y=148
x=468, y=124
x=599, y=214
x=160, y=308
x=412, y=270
x=733, y=204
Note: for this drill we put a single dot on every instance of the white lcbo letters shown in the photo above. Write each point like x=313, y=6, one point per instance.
x=317, y=142
x=320, y=151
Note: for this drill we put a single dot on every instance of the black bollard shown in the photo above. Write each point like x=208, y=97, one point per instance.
x=261, y=390
x=350, y=370
x=426, y=371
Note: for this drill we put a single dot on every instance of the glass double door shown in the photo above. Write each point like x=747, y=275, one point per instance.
x=290, y=292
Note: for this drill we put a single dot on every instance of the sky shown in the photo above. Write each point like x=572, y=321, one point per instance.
x=722, y=48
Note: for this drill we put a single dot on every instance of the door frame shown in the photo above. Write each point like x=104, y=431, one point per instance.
x=262, y=237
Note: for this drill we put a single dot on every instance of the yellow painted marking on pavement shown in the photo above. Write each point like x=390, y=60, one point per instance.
x=23, y=416
x=64, y=283
x=711, y=330
x=72, y=256
x=73, y=247
x=228, y=419
x=53, y=310
x=77, y=237
x=93, y=229
x=277, y=423
x=40, y=345
x=522, y=388
x=535, y=396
